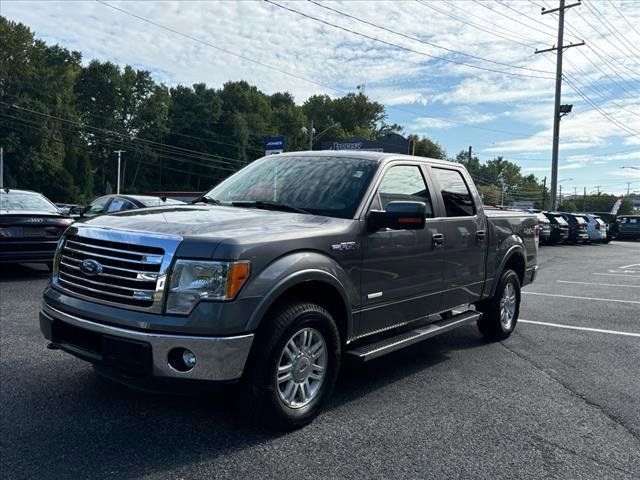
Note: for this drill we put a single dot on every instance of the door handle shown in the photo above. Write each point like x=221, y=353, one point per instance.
x=438, y=240
x=481, y=235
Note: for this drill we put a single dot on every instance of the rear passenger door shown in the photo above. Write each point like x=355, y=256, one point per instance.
x=465, y=237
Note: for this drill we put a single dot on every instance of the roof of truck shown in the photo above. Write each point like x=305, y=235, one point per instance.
x=375, y=156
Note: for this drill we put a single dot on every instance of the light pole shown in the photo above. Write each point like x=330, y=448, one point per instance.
x=119, y=152
x=313, y=136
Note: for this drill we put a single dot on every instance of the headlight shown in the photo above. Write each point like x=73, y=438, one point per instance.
x=194, y=280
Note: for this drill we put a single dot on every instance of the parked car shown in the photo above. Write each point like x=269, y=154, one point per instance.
x=30, y=227
x=577, y=228
x=544, y=225
x=596, y=228
x=559, y=228
x=283, y=269
x=121, y=203
x=612, y=225
x=66, y=208
x=629, y=227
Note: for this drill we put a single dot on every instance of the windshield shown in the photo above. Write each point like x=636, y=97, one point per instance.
x=329, y=186
x=560, y=220
x=26, y=201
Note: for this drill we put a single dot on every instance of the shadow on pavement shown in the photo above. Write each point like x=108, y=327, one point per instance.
x=76, y=424
x=12, y=272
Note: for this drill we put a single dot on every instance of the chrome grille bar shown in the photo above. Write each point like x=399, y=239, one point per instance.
x=132, y=267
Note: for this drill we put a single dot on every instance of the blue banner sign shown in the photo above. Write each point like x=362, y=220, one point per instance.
x=274, y=145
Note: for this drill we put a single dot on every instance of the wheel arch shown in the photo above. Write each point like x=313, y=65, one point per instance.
x=514, y=260
x=317, y=286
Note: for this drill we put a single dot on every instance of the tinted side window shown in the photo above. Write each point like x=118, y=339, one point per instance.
x=98, y=205
x=120, y=204
x=457, y=198
x=403, y=183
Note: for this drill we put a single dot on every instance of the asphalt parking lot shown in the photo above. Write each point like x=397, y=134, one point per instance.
x=559, y=399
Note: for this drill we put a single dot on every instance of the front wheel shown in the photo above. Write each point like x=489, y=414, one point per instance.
x=500, y=313
x=294, y=366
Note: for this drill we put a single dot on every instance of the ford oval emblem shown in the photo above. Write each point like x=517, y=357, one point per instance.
x=90, y=268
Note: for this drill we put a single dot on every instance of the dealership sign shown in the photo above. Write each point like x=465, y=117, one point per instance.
x=274, y=145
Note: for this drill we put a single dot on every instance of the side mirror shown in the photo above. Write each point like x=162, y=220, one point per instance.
x=76, y=210
x=398, y=216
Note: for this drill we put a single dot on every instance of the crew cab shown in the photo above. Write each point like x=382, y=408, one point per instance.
x=284, y=269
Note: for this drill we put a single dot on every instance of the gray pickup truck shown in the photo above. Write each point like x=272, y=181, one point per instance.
x=284, y=269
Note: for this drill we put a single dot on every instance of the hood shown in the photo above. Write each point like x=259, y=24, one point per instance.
x=216, y=222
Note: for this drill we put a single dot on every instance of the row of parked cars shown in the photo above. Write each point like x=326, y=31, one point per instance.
x=30, y=224
x=564, y=227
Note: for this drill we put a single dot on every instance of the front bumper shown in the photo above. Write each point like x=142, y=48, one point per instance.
x=145, y=353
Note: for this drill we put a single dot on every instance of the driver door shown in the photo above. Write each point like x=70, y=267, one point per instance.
x=402, y=271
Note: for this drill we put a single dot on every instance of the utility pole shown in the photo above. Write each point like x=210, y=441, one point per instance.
x=1, y=168
x=119, y=152
x=584, y=199
x=469, y=155
x=628, y=185
x=311, y=136
x=560, y=197
x=598, y=189
x=559, y=48
x=544, y=192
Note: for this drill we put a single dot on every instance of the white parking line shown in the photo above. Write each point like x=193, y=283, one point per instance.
x=581, y=298
x=618, y=275
x=600, y=284
x=586, y=329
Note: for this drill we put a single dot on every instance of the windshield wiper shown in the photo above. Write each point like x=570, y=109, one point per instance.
x=269, y=205
x=205, y=199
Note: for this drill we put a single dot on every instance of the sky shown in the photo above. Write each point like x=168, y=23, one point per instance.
x=463, y=73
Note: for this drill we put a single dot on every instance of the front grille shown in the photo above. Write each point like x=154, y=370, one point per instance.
x=130, y=274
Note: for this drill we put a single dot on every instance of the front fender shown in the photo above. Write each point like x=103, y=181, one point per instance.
x=294, y=269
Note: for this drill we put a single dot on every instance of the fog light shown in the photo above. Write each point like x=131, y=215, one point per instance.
x=182, y=359
x=189, y=358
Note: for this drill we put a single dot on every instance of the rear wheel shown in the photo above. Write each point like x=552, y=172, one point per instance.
x=500, y=313
x=294, y=366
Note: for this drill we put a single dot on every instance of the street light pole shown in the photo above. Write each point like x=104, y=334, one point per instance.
x=119, y=152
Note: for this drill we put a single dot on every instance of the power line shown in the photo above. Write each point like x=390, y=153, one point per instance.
x=392, y=107
x=613, y=30
x=180, y=150
x=608, y=116
x=604, y=37
x=478, y=26
x=624, y=17
x=401, y=47
x=118, y=144
x=425, y=42
x=516, y=19
x=109, y=145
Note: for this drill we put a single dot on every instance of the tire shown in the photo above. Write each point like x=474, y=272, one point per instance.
x=491, y=324
x=265, y=394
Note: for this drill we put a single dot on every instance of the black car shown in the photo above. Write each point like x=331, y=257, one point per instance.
x=30, y=226
x=577, y=228
x=629, y=227
x=559, y=227
x=120, y=203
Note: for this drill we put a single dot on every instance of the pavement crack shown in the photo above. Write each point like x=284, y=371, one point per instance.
x=587, y=401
